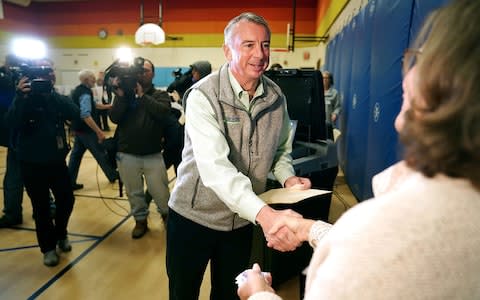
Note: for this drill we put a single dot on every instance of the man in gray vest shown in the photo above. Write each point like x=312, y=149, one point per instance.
x=237, y=130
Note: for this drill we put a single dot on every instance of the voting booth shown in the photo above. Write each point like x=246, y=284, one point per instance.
x=314, y=157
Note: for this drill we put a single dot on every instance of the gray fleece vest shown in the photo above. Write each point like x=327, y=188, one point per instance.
x=253, y=139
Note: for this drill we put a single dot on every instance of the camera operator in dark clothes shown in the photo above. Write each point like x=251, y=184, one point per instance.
x=175, y=132
x=182, y=82
x=12, y=180
x=38, y=113
x=140, y=112
x=13, y=185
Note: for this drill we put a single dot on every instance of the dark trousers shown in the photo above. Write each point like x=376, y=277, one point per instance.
x=13, y=188
x=191, y=246
x=330, y=131
x=39, y=179
x=82, y=142
x=102, y=119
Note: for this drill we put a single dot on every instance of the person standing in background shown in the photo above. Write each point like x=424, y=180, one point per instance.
x=200, y=69
x=102, y=103
x=333, y=105
x=87, y=133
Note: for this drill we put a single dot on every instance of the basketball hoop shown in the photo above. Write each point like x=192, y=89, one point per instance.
x=149, y=34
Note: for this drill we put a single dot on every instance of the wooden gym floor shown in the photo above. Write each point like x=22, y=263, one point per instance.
x=105, y=263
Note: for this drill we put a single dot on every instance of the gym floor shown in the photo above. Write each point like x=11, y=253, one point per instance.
x=105, y=262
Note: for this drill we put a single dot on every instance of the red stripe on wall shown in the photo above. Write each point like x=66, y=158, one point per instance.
x=180, y=17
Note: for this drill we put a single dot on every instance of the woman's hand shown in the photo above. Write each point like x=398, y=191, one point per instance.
x=254, y=283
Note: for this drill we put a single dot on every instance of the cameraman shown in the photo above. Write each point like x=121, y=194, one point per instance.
x=174, y=142
x=88, y=134
x=38, y=113
x=141, y=119
x=12, y=180
x=197, y=71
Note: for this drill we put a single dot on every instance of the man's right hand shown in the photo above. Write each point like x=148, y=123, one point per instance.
x=299, y=226
x=100, y=136
x=24, y=86
x=283, y=239
x=139, y=90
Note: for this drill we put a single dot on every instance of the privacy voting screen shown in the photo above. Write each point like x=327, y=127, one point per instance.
x=304, y=92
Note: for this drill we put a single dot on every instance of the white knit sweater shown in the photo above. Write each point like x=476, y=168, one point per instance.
x=419, y=238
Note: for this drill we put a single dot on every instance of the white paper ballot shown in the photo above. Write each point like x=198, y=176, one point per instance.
x=289, y=195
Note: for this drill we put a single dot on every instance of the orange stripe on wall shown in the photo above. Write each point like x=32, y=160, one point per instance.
x=179, y=21
x=322, y=7
x=329, y=15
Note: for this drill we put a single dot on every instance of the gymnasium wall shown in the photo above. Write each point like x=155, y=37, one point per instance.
x=365, y=58
x=187, y=23
x=194, y=31
x=69, y=61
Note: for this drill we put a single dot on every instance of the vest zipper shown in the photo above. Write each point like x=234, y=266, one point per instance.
x=195, y=192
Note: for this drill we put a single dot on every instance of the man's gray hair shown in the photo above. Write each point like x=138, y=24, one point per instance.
x=246, y=16
x=84, y=74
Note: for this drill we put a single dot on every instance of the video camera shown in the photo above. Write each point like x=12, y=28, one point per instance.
x=128, y=75
x=40, y=77
x=182, y=82
x=177, y=73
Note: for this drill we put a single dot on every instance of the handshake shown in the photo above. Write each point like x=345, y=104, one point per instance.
x=285, y=230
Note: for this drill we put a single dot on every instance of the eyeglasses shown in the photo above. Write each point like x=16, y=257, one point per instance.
x=409, y=59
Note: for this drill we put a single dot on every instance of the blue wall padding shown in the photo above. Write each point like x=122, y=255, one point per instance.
x=334, y=43
x=342, y=83
x=163, y=76
x=382, y=31
x=356, y=148
x=337, y=59
x=391, y=26
x=335, y=70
